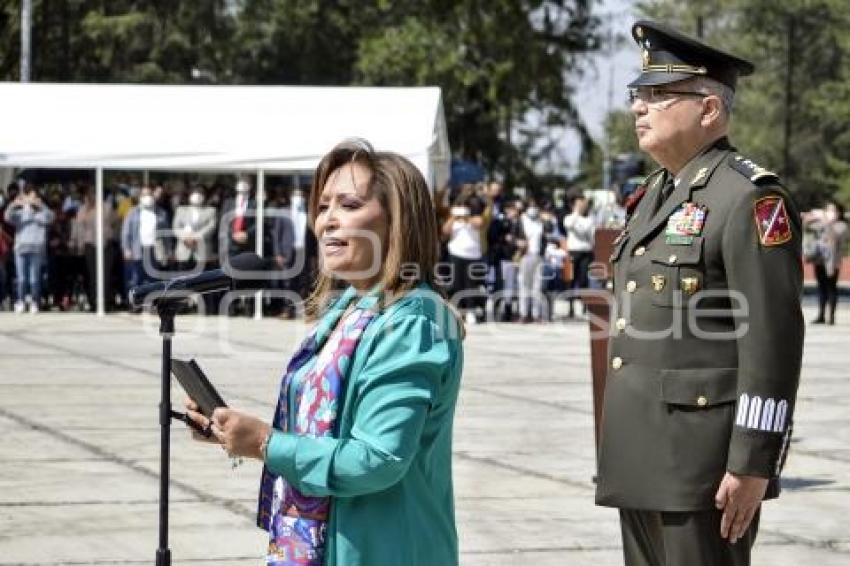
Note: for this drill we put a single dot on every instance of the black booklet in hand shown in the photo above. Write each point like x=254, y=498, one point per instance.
x=197, y=386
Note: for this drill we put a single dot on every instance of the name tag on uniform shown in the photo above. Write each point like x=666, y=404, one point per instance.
x=685, y=224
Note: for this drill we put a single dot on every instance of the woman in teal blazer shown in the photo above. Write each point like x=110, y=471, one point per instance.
x=358, y=468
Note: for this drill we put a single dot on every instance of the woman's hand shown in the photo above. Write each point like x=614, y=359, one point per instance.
x=240, y=434
x=199, y=419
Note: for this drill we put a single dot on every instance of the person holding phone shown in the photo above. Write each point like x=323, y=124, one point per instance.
x=358, y=454
x=30, y=218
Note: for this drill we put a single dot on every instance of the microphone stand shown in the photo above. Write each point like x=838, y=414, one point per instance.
x=166, y=310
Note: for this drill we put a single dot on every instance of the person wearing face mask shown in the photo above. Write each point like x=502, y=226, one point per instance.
x=194, y=227
x=143, y=240
x=827, y=254
x=531, y=266
x=238, y=223
x=194, y=234
x=31, y=219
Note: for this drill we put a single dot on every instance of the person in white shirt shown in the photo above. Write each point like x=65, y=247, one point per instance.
x=463, y=230
x=580, y=228
x=194, y=228
x=143, y=240
x=531, y=266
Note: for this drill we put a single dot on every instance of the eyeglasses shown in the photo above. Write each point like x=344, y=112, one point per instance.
x=655, y=96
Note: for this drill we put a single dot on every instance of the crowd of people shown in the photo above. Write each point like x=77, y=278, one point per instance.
x=48, y=240
x=508, y=255
x=504, y=258
x=508, y=258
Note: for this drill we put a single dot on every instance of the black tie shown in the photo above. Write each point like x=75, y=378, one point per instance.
x=665, y=192
x=667, y=189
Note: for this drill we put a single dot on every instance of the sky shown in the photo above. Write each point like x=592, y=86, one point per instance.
x=602, y=70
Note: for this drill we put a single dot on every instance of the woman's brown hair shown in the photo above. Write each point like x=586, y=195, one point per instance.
x=412, y=247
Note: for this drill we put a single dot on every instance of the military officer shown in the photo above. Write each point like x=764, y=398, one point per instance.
x=707, y=331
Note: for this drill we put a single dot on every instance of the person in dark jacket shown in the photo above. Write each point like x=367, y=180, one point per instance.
x=707, y=339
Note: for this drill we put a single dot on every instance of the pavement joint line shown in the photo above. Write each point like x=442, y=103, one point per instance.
x=201, y=495
x=512, y=397
x=537, y=550
x=788, y=539
x=521, y=470
x=817, y=454
x=111, y=363
x=86, y=356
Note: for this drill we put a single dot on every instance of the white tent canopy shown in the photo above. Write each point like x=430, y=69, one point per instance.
x=233, y=128
x=213, y=128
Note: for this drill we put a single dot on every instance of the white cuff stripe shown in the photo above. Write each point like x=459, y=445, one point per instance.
x=768, y=415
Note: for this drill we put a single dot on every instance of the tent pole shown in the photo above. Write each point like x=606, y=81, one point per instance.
x=99, y=243
x=261, y=214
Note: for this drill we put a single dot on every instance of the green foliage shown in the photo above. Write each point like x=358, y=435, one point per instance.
x=619, y=128
x=817, y=105
x=497, y=61
x=120, y=40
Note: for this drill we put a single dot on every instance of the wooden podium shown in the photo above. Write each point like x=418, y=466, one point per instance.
x=598, y=307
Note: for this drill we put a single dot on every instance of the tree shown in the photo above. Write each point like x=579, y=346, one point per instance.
x=619, y=128
x=497, y=62
x=799, y=92
x=120, y=40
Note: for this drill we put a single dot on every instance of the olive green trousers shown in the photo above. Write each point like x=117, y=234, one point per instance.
x=661, y=538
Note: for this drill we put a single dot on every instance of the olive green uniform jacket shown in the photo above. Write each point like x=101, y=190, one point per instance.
x=707, y=338
x=388, y=469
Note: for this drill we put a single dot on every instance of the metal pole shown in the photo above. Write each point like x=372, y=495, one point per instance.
x=261, y=213
x=26, y=39
x=99, y=243
x=789, y=99
x=606, y=141
x=166, y=330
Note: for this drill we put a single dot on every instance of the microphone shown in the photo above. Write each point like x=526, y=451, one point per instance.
x=224, y=279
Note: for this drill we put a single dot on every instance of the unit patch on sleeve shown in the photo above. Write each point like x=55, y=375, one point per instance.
x=772, y=222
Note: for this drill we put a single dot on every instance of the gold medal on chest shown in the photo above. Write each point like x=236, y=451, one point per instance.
x=658, y=282
x=690, y=285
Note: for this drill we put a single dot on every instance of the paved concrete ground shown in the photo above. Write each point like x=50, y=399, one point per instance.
x=79, y=446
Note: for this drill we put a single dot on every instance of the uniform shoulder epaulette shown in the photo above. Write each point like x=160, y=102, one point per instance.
x=751, y=170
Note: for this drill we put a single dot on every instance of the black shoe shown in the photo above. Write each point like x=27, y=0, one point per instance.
x=819, y=320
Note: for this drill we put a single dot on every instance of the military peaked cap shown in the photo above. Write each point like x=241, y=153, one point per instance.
x=669, y=56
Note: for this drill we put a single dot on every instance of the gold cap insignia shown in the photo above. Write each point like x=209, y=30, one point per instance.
x=658, y=282
x=690, y=285
x=639, y=31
